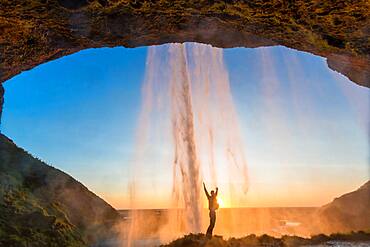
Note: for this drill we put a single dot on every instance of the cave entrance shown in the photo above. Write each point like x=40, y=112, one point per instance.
x=303, y=123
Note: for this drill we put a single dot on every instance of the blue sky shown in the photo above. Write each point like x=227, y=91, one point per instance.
x=302, y=123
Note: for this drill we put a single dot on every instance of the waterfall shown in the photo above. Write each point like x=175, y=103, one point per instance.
x=189, y=120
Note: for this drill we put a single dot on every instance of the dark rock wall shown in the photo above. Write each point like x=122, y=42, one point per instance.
x=36, y=31
x=1, y=102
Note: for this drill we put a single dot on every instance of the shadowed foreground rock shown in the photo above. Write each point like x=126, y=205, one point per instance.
x=43, y=206
x=200, y=240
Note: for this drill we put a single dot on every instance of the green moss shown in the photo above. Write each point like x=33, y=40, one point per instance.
x=25, y=221
x=32, y=210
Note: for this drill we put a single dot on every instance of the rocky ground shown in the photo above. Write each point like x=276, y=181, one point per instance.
x=339, y=240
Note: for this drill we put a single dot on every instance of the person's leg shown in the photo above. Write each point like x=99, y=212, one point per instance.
x=210, y=228
x=213, y=221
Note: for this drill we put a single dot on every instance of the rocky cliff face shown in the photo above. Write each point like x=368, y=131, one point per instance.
x=35, y=31
x=40, y=205
x=1, y=102
x=349, y=212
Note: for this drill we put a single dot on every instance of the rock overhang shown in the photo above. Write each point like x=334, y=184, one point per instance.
x=36, y=31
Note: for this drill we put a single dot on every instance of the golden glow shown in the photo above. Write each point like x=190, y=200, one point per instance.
x=274, y=194
x=220, y=202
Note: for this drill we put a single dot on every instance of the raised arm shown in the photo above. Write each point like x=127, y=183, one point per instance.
x=216, y=191
x=205, y=190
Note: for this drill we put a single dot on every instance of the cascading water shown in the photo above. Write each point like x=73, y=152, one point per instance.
x=188, y=119
x=185, y=150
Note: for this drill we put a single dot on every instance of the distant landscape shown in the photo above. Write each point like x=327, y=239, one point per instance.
x=46, y=205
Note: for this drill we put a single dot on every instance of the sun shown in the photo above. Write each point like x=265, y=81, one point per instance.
x=220, y=202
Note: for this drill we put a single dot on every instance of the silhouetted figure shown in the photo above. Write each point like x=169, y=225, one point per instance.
x=212, y=206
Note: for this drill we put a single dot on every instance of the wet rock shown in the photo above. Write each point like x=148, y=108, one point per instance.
x=1, y=102
x=36, y=31
x=73, y=4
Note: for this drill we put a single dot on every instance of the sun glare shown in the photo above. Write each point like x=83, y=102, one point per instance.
x=220, y=202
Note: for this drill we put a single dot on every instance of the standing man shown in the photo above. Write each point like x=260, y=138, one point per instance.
x=212, y=206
